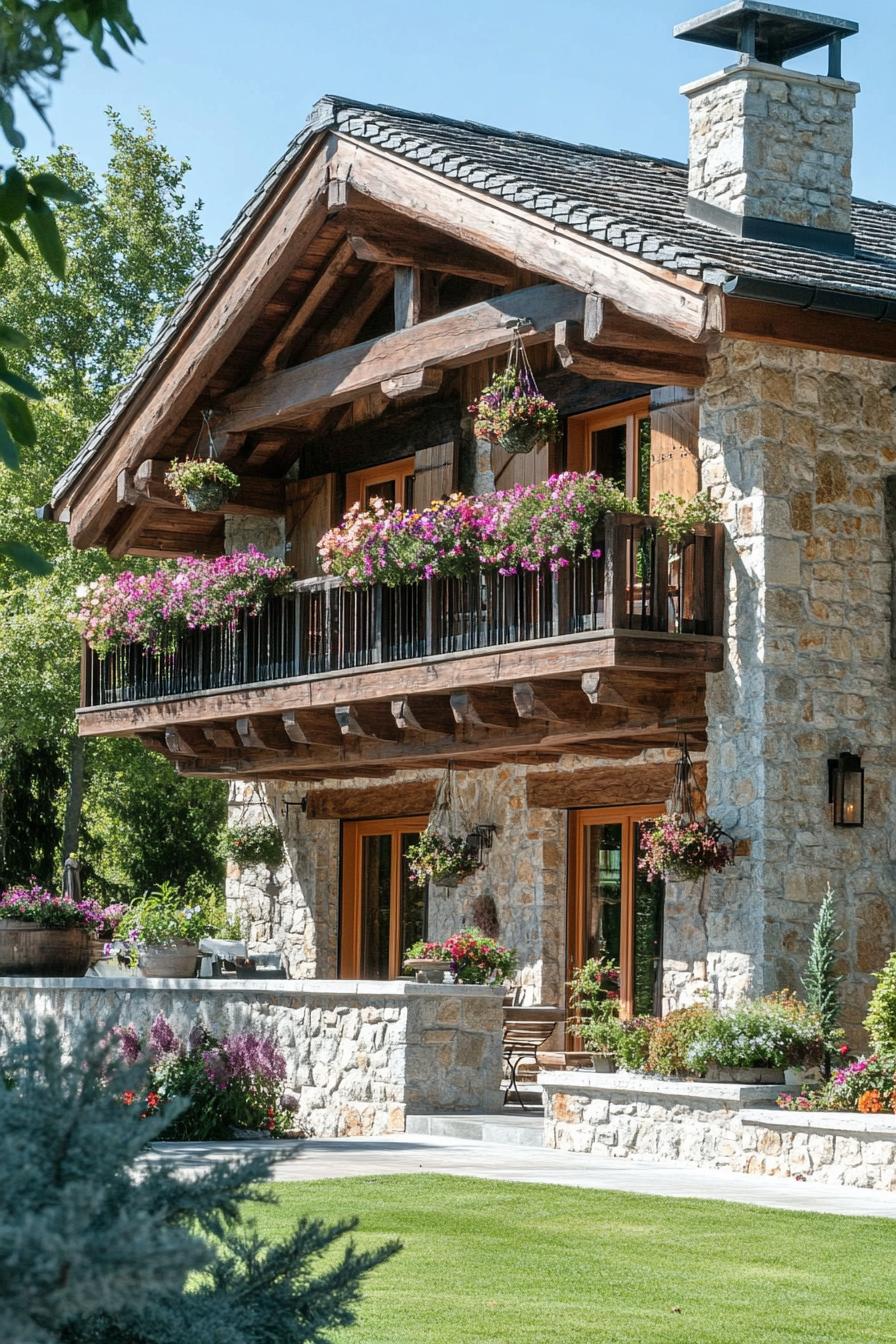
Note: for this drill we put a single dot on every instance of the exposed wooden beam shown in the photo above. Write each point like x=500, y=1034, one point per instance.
x=526, y=239
x=633, y=784
x=221, y=737
x=484, y=709
x=632, y=365
x=359, y=306
x=395, y=242
x=431, y=716
x=127, y=532
x=315, y=728
x=605, y=325
x=253, y=272
x=256, y=495
x=361, y=722
x=346, y=374
x=548, y=700
x=276, y=353
x=408, y=291
x=415, y=797
x=407, y=386
x=783, y=324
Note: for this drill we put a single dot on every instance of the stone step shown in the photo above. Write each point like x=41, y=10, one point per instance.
x=524, y=1130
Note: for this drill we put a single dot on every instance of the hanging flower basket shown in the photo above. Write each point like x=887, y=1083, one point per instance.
x=440, y=857
x=511, y=411
x=202, y=484
x=683, y=848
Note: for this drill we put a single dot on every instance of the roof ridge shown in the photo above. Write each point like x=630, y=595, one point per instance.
x=342, y=103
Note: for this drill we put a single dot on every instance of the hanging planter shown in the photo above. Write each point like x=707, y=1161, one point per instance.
x=448, y=850
x=684, y=844
x=202, y=484
x=511, y=411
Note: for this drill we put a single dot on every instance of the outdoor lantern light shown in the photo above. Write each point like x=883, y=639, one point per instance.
x=846, y=790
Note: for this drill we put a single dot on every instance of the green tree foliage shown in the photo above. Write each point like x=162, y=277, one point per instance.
x=88, y=1255
x=821, y=984
x=132, y=248
x=880, y=1023
x=30, y=833
x=35, y=42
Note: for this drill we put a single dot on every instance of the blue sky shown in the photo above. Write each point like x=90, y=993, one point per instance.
x=230, y=83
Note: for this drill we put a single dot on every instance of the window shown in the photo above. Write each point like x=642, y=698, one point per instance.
x=613, y=910
x=616, y=442
x=381, y=912
x=393, y=482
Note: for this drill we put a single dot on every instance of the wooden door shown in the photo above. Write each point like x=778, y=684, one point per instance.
x=613, y=909
x=381, y=912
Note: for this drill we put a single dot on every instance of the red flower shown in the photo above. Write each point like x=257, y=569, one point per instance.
x=152, y=1099
x=844, y=1049
x=271, y=1126
x=128, y=1098
x=270, y=1110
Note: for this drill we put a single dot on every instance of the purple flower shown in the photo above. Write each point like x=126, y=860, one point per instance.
x=128, y=1044
x=162, y=1038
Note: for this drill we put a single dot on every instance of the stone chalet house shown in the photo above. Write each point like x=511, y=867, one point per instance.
x=728, y=325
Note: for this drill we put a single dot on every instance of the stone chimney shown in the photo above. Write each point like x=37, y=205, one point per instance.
x=771, y=149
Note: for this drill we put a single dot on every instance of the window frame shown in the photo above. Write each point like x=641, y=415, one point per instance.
x=579, y=429
x=357, y=483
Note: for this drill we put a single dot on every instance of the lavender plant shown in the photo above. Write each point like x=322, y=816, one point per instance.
x=89, y=1255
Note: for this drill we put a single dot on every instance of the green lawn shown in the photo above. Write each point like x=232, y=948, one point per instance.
x=498, y=1263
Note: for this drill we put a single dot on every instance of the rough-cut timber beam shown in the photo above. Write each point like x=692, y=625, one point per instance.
x=367, y=722
x=253, y=273
x=638, y=287
x=432, y=716
x=484, y=709
x=548, y=700
x=632, y=365
x=311, y=728
x=225, y=739
x=633, y=784
x=784, y=324
x=339, y=263
x=604, y=324
x=413, y=798
x=394, y=242
x=358, y=306
x=420, y=383
x=454, y=338
x=146, y=485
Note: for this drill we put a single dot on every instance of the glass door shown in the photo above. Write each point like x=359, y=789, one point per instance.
x=614, y=911
x=381, y=912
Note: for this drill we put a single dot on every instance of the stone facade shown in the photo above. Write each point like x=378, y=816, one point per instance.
x=360, y=1055
x=717, y=1125
x=769, y=143
x=798, y=446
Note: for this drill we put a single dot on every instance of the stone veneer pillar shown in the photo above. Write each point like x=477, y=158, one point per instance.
x=798, y=445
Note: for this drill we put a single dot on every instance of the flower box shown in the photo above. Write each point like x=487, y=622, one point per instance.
x=27, y=949
x=175, y=960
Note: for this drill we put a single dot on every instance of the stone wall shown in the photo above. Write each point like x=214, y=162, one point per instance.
x=798, y=446
x=717, y=1125
x=360, y=1055
x=774, y=144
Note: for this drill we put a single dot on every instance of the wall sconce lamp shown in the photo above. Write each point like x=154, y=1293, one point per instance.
x=846, y=790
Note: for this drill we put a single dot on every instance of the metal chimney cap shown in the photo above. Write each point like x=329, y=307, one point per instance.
x=771, y=33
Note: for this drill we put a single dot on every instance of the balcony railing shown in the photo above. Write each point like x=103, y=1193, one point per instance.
x=320, y=626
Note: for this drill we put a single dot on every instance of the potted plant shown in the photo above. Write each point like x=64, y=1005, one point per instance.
x=250, y=843
x=102, y=922
x=440, y=857
x=683, y=847
x=160, y=934
x=757, y=1041
x=600, y=1037
x=42, y=934
x=475, y=959
x=427, y=961
x=202, y=483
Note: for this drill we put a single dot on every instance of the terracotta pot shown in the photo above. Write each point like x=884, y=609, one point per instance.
x=428, y=972
x=27, y=949
x=170, y=961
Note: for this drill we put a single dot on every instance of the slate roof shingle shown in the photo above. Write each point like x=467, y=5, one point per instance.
x=626, y=200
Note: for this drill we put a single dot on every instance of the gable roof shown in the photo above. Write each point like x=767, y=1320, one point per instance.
x=625, y=200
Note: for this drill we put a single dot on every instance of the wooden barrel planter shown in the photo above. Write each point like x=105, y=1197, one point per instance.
x=27, y=949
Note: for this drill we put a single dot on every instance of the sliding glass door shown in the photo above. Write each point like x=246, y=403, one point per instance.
x=614, y=911
x=381, y=912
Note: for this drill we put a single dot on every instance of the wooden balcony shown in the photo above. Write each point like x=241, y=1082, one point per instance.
x=327, y=680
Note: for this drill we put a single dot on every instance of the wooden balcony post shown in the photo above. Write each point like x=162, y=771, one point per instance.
x=616, y=537
x=660, y=595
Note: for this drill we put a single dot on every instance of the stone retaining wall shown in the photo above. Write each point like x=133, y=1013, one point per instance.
x=718, y=1125
x=360, y=1054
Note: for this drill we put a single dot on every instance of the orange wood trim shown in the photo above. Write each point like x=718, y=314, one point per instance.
x=357, y=482
x=353, y=835
x=579, y=429
x=579, y=819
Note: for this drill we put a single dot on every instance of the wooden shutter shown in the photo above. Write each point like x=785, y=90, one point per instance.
x=311, y=511
x=674, y=437
x=435, y=472
x=520, y=468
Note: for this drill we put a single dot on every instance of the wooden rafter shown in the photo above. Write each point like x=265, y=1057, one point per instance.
x=392, y=240
x=454, y=338
x=256, y=495
x=681, y=368
x=275, y=355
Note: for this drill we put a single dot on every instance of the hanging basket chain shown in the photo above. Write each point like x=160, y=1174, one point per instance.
x=687, y=798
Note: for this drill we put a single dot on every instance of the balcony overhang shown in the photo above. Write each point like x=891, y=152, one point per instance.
x=607, y=693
